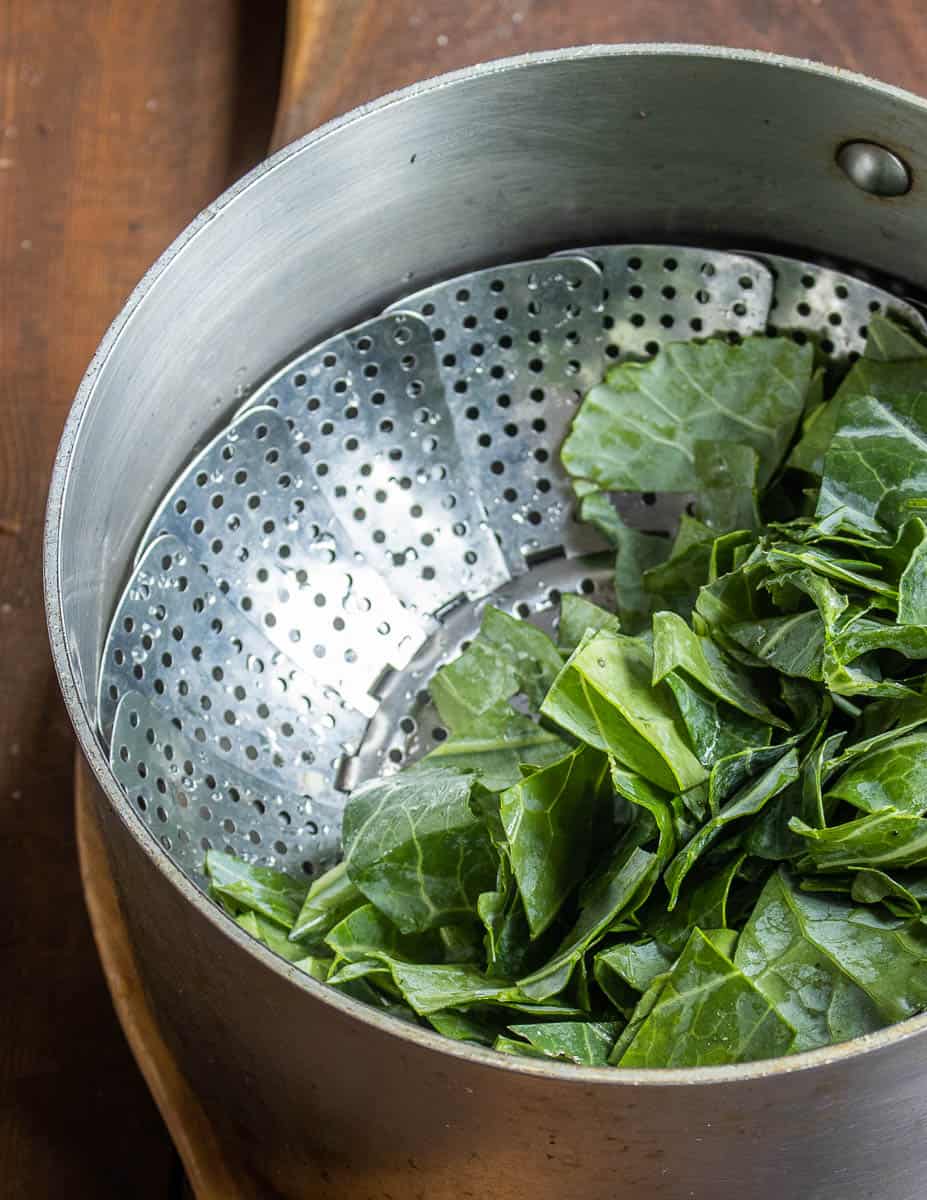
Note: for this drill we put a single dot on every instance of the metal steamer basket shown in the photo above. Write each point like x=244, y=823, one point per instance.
x=277, y=618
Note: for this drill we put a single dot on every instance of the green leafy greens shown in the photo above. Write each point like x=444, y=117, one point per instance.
x=692, y=829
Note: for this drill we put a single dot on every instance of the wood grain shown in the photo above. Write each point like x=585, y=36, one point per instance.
x=118, y=121
x=213, y=1171
x=343, y=52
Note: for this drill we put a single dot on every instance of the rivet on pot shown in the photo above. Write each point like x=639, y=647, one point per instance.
x=874, y=169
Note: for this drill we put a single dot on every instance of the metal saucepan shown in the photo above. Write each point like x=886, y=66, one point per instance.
x=493, y=164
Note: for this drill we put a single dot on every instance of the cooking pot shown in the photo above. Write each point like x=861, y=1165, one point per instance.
x=500, y=162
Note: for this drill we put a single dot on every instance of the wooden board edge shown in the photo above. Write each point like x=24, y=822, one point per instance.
x=318, y=33
x=210, y=1171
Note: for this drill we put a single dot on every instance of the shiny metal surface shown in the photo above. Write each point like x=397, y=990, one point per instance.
x=518, y=345
x=875, y=169
x=255, y=522
x=191, y=800
x=834, y=307
x=178, y=640
x=658, y=294
x=305, y=246
x=369, y=412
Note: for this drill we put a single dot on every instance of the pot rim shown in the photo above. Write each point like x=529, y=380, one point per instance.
x=425, y=1039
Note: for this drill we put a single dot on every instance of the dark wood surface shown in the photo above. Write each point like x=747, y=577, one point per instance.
x=215, y=1169
x=353, y=50
x=117, y=122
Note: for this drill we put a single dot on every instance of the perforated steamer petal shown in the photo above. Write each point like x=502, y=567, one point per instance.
x=736, y=149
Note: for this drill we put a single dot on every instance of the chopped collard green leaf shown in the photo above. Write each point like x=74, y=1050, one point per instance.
x=692, y=831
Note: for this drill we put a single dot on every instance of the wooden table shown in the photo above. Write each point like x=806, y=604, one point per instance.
x=118, y=121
